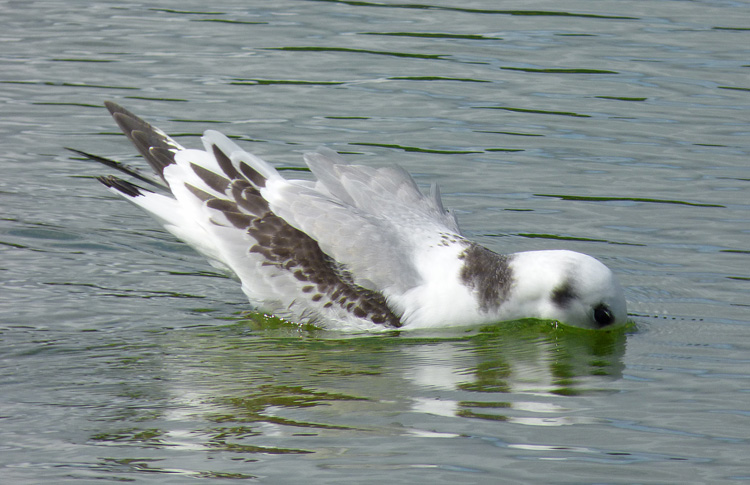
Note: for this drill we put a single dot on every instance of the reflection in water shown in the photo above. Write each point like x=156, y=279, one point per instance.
x=511, y=365
x=255, y=392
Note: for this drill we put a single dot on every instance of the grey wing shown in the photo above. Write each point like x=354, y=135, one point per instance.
x=374, y=222
x=378, y=191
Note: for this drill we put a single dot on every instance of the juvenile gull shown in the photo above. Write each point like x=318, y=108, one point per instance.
x=359, y=248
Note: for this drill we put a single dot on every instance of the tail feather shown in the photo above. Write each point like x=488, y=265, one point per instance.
x=122, y=186
x=126, y=169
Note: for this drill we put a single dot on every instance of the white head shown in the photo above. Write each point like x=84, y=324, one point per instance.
x=566, y=286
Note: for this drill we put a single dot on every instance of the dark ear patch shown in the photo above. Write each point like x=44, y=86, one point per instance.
x=563, y=295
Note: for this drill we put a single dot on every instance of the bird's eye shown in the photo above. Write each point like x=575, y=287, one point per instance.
x=603, y=316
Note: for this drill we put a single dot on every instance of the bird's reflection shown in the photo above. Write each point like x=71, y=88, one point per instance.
x=513, y=374
x=254, y=388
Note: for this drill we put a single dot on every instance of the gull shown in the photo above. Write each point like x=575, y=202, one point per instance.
x=359, y=248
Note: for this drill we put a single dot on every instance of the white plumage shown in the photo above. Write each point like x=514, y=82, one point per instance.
x=359, y=248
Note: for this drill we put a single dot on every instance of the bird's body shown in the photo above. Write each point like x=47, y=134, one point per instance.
x=359, y=248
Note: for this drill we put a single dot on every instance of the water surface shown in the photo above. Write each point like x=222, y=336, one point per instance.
x=618, y=129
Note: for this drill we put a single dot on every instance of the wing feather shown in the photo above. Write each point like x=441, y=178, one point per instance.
x=380, y=191
x=343, y=248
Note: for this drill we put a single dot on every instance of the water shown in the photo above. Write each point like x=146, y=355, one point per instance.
x=618, y=129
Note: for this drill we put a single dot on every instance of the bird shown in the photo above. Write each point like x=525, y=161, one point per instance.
x=358, y=248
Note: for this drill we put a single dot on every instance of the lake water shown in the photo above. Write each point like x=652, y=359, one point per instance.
x=616, y=128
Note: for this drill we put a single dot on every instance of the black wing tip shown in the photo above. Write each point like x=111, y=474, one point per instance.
x=145, y=137
x=96, y=158
x=127, y=121
x=87, y=155
x=116, y=108
x=124, y=118
x=122, y=186
x=133, y=172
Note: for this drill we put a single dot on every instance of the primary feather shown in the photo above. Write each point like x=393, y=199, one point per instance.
x=358, y=248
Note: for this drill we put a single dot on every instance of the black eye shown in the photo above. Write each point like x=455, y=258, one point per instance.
x=603, y=316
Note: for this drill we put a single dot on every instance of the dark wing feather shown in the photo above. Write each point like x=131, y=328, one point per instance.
x=126, y=169
x=155, y=145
